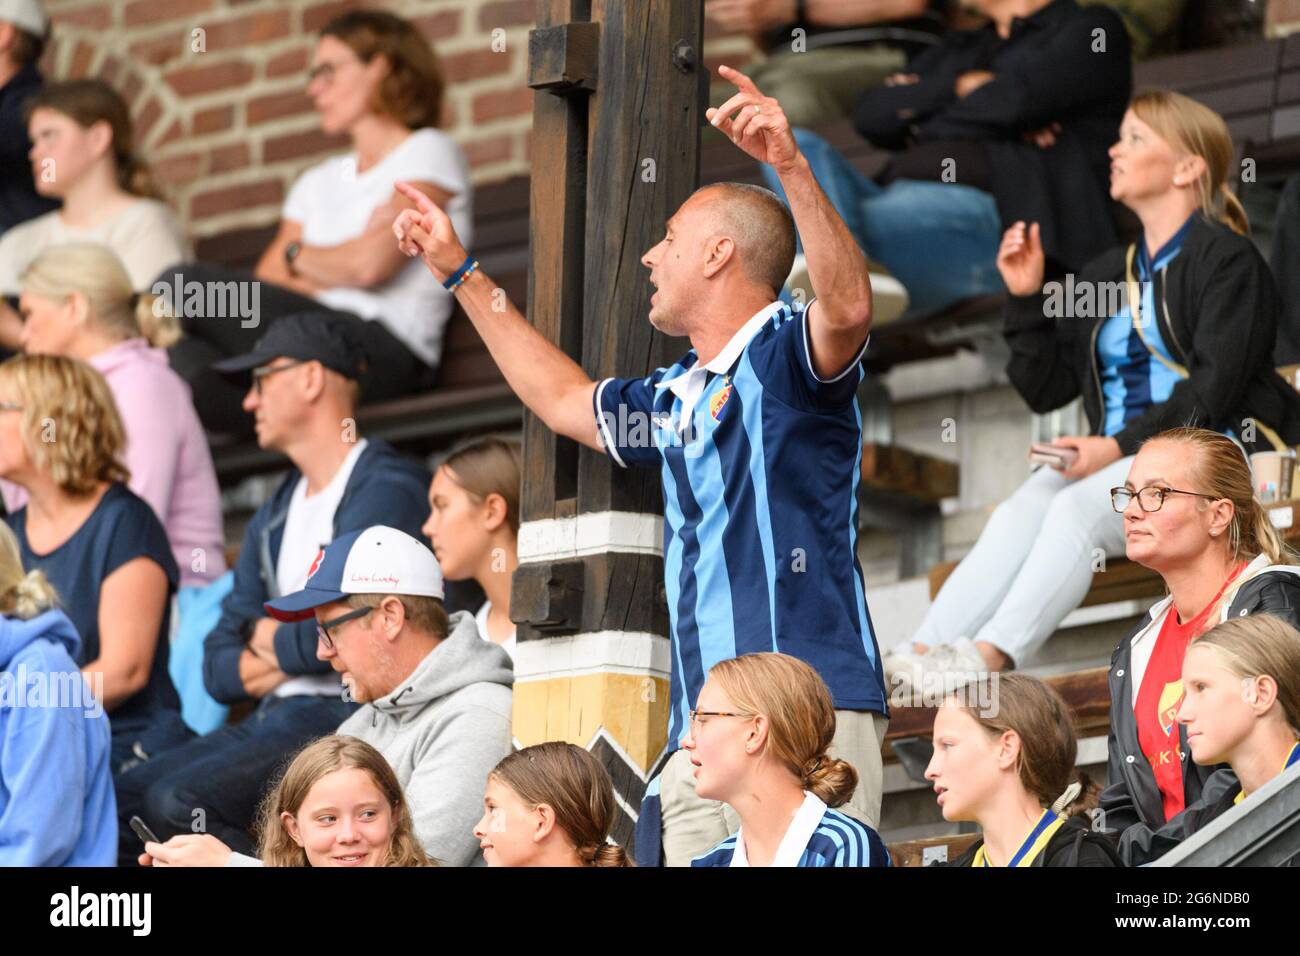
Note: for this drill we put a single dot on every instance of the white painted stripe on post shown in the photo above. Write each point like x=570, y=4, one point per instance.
x=599, y=532
x=601, y=652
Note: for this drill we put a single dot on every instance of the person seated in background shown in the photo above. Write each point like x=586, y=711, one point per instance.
x=821, y=54
x=1190, y=514
x=473, y=527
x=1007, y=122
x=551, y=804
x=436, y=696
x=83, y=153
x=375, y=79
x=1153, y=25
x=78, y=301
x=303, y=396
x=1002, y=754
x=56, y=785
x=24, y=31
x=101, y=547
x=1240, y=707
x=1176, y=329
x=759, y=741
x=338, y=803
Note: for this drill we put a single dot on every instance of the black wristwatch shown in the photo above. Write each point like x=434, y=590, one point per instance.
x=291, y=253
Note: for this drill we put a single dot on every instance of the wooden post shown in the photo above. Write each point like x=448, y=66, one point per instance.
x=616, y=127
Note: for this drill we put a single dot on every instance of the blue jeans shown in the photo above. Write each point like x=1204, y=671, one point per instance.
x=940, y=240
x=214, y=783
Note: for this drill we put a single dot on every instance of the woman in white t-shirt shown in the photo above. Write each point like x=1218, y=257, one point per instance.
x=473, y=526
x=376, y=80
x=82, y=153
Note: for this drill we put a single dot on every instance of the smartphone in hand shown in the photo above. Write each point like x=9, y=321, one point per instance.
x=143, y=832
x=1056, y=456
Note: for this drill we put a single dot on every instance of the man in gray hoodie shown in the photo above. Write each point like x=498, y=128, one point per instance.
x=436, y=695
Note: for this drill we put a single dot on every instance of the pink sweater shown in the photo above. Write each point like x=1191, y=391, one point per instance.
x=167, y=453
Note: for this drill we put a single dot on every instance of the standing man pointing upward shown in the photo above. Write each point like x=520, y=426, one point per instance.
x=756, y=432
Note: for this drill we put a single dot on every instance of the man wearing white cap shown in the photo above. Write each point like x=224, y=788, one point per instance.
x=436, y=696
x=24, y=29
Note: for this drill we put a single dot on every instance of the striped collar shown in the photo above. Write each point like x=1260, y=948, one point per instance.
x=689, y=385
x=802, y=826
x=1032, y=845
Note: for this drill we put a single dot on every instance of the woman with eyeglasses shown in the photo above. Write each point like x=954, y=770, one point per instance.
x=1190, y=514
x=759, y=741
x=1175, y=329
x=376, y=81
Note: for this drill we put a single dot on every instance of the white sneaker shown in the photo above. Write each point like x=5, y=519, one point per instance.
x=946, y=666
x=888, y=297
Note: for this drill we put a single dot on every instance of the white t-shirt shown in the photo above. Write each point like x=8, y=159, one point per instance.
x=481, y=620
x=309, y=527
x=333, y=203
x=145, y=235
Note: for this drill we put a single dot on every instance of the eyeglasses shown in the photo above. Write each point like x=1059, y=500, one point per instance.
x=323, y=629
x=325, y=71
x=10, y=407
x=697, y=714
x=261, y=374
x=1150, y=498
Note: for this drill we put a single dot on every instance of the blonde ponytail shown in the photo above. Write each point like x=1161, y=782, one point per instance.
x=155, y=320
x=23, y=594
x=832, y=781
x=1234, y=213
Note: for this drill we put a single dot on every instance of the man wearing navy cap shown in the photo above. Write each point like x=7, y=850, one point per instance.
x=436, y=695
x=302, y=392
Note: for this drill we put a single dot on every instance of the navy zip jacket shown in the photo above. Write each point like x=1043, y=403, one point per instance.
x=384, y=488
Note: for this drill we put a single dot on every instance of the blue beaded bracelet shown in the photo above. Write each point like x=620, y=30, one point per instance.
x=461, y=274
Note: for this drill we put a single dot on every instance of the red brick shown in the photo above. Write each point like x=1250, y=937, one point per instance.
x=449, y=114
x=295, y=145
x=156, y=11
x=95, y=17
x=145, y=119
x=131, y=87
x=438, y=26
x=178, y=170
x=294, y=61
x=507, y=13
x=82, y=57
x=266, y=192
x=160, y=49
x=485, y=151
x=229, y=157
x=205, y=79
x=500, y=105
x=213, y=120
x=250, y=28
x=109, y=69
x=316, y=17
x=475, y=64
x=277, y=105
x=173, y=133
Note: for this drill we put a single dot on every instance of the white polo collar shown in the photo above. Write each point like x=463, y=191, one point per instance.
x=689, y=385
x=802, y=826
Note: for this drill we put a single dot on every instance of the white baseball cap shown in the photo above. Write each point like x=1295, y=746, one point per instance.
x=26, y=15
x=378, y=560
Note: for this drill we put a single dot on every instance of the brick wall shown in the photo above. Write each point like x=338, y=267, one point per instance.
x=226, y=123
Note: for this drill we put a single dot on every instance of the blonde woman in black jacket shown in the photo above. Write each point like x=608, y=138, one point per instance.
x=1189, y=514
x=1177, y=329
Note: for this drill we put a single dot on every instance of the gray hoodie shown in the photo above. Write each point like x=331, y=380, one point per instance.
x=442, y=730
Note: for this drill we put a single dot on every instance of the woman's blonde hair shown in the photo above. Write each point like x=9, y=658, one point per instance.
x=1186, y=124
x=320, y=757
x=23, y=594
x=88, y=102
x=95, y=272
x=1260, y=644
x=574, y=784
x=489, y=466
x=70, y=425
x=1038, y=715
x=800, y=716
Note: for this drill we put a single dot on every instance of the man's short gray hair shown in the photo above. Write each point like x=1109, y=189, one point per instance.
x=761, y=226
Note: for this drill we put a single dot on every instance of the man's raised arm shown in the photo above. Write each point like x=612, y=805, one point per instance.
x=550, y=383
x=839, y=320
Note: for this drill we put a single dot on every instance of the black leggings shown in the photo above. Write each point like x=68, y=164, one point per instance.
x=393, y=370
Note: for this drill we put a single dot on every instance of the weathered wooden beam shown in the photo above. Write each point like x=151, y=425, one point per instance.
x=564, y=59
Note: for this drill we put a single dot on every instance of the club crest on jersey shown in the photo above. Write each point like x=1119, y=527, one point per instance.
x=1167, y=710
x=315, y=563
x=719, y=400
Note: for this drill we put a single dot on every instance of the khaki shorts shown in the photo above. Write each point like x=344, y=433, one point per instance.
x=692, y=826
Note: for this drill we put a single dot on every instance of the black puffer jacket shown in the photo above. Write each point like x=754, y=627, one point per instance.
x=1218, y=313
x=1132, y=798
x=1073, y=845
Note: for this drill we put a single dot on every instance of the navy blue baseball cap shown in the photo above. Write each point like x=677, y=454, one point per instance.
x=378, y=560
x=325, y=337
